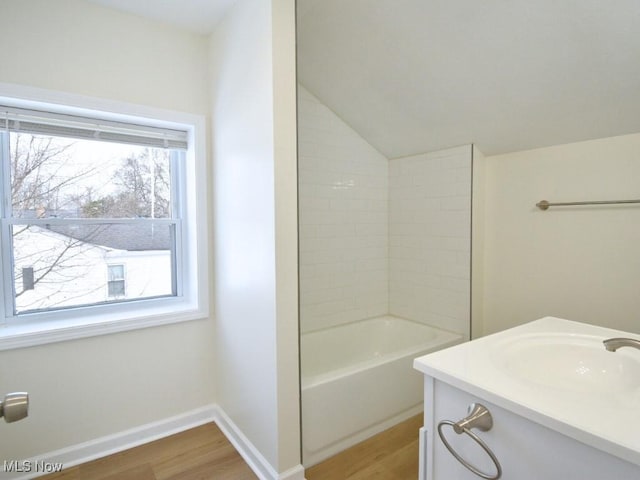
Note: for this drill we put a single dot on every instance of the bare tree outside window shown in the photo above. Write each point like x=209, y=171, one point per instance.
x=36, y=180
x=60, y=178
x=142, y=189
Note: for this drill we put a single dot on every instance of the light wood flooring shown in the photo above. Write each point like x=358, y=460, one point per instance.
x=390, y=455
x=201, y=453
x=204, y=453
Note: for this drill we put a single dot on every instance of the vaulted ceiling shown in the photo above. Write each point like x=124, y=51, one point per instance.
x=421, y=75
x=199, y=16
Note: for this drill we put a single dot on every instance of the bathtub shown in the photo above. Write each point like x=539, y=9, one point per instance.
x=357, y=380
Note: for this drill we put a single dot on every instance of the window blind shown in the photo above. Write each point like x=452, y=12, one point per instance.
x=56, y=124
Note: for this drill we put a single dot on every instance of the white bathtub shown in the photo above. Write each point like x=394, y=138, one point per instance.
x=357, y=380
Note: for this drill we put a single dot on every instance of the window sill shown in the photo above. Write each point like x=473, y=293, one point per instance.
x=41, y=332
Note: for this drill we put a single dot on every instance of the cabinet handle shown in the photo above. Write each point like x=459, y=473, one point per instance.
x=478, y=417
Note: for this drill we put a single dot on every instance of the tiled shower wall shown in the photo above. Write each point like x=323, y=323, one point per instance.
x=380, y=236
x=344, y=238
x=430, y=238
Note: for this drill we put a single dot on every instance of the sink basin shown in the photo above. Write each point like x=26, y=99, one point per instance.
x=555, y=373
x=575, y=363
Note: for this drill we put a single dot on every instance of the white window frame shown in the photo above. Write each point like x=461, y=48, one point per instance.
x=191, y=303
x=123, y=279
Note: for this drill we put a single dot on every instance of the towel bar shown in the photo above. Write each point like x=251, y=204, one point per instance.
x=544, y=204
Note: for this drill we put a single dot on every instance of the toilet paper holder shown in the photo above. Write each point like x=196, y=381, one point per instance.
x=14, y=406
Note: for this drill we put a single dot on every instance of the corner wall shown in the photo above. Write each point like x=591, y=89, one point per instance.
x=380, y=236
x=579, y=263
x=430, y=238
x=478, y=172
x=254, y=150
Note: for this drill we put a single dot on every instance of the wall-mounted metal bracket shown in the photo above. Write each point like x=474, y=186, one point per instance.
x=15, y=406
x=478, y=417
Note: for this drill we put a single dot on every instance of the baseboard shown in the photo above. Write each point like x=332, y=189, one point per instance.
x=312, y=458
x=101, y=447
x=260, y=466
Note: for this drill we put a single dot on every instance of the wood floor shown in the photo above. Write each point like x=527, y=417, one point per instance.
x=204, y=453
x=201, y=453
x=390, y=455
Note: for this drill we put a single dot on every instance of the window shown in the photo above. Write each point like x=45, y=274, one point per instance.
x=27, y=278
x=115, y=281
x=87, y=194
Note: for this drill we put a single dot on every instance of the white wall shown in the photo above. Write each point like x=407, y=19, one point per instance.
x=580, y=263
x=253, y=85
x=79, y=47
x=286, y=216
x=344, y=240
x=430, y=238
x=380, y=236
x=127, y=379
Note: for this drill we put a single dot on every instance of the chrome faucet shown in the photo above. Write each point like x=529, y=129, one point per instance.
x=613, y=344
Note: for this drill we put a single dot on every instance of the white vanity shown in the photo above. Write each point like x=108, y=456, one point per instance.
x=560, y=406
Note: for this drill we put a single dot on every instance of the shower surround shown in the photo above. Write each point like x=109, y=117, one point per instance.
x=379, y=238
x=343, y=221
x=378, y=235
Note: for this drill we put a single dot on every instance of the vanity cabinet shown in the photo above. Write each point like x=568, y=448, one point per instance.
x=561, y=406
x=526, y=450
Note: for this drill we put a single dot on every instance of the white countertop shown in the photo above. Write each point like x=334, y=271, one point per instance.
x=607, y=420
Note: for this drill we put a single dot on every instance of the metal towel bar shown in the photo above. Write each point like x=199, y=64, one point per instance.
x=544, y=204
x=479, y=417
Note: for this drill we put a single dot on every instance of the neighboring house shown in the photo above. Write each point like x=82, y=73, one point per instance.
x=54, y=269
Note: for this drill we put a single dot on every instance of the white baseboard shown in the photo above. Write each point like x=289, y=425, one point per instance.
x=85, y=452
x=101, y=447
x=260, y=466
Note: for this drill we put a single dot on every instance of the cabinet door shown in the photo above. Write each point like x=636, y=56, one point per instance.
x=526, y=450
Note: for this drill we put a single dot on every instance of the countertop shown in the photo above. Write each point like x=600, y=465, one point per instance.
x=607, y=420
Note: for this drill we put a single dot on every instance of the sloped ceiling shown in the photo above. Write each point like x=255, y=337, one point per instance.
x=199, y=16
x=415, y=76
